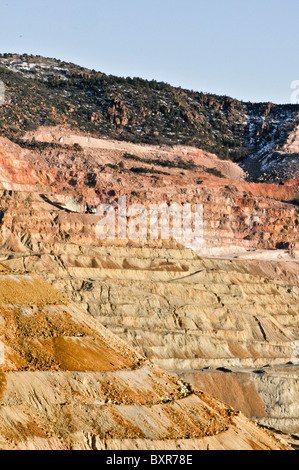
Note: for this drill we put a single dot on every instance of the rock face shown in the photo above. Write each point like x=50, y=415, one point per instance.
x=276, y=162
x=234, y=305
x=68, y=383
x=224, y=318
x=215, y=313
x=237, y=215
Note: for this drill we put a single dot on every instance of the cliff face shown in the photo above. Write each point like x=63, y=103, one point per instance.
x=71, y=173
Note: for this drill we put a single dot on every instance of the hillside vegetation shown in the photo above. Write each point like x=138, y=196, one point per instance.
x=42, y=91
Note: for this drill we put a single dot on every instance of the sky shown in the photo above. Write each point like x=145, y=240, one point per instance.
x=246, y=49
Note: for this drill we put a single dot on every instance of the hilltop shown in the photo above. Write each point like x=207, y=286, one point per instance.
x=47, y=92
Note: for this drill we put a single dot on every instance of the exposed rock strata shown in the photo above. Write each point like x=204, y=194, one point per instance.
x=67, y=383
x=182, y=311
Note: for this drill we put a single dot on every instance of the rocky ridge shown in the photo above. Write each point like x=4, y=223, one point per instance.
x=42, y=92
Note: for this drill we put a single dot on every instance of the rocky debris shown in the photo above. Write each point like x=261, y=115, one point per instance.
x=276, y=163
x=68, y=383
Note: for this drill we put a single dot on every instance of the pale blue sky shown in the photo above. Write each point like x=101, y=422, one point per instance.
x=247, y=49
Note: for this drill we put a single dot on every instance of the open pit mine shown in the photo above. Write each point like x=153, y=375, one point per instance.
x=139, y=343
x=142, y=344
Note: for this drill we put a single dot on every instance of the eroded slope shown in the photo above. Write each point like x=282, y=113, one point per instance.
x=66, y=382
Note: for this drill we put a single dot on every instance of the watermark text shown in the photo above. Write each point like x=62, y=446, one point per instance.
x=180, y=222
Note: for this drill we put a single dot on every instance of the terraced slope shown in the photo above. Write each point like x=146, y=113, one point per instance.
x=54, y=174
x=186, y=314
x=182, y=311
x=68, y=383
x=211, y=313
